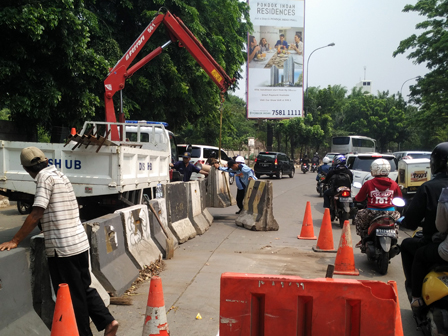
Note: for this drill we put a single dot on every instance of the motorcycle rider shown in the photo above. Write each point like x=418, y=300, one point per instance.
x=324, y=168
x=379, y=192
x=423, y=206
x=305, y=160
x=338, y=177
x=316, y=159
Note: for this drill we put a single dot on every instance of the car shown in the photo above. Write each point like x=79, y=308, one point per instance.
x=412, y=155
x=331, y=156
x=273, y=163
x=359, y=164
x=200, y=154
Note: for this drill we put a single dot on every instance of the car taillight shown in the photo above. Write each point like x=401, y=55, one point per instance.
x=256, y=160
x=201, y=161
x=345, y=193
x=275, y=162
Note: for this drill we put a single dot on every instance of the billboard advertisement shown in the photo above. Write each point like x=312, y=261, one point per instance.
x=275, y=59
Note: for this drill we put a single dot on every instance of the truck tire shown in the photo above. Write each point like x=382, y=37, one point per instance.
x=23, y=207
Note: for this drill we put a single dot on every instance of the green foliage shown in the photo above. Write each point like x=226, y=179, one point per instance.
x=59, y=53
x=4, y=114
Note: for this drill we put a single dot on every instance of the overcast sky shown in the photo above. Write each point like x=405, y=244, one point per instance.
x=366, y=33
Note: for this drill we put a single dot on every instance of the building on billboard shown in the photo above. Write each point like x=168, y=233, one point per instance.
x=274, y=76
x=288, y=71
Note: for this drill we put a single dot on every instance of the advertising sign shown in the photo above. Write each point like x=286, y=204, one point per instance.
x=275, y=59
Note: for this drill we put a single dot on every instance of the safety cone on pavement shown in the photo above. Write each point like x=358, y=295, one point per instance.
x=155, y=320
x=73, y=131
x=307, y=225
x=325, y=240
x=345, y=259
x=64, y=321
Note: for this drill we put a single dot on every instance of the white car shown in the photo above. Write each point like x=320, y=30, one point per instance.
x=412, y=154
x=359, y=164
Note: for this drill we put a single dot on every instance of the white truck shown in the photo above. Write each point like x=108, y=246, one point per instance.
x=105, y=174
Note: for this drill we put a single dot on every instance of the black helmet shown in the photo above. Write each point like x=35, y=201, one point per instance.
x=212, y=155
x=439, y=158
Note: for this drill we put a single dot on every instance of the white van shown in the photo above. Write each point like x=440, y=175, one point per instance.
x=200, y=153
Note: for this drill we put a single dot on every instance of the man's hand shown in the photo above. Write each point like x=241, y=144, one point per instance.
x=216, y=165
x=8, y=246
x=171, y=165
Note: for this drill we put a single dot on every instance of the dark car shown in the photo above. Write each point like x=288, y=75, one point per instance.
x=273, y=163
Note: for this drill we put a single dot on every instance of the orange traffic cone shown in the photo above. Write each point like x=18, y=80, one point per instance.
x=325, y=240
x=155, y=320
x=345, y=259
x=64, y=321
x=73, y=131
x=307, y=225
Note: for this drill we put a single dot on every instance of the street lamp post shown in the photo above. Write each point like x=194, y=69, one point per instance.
x=401, y=90
x=308, y=63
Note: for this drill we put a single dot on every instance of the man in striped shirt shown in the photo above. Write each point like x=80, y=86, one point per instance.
x=66, y=243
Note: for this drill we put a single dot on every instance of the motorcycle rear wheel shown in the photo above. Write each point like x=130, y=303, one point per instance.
x=383, y=262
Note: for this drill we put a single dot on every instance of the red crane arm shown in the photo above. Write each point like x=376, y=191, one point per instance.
x=178, y=32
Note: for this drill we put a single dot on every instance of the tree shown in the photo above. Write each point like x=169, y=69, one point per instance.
x=431, y=48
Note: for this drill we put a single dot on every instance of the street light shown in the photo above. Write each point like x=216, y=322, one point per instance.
x=308, y=63
x=401, y=90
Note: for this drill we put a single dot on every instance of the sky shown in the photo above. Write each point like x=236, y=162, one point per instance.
x=365, y=33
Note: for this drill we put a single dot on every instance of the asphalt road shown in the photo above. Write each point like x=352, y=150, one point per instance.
x=191, y=279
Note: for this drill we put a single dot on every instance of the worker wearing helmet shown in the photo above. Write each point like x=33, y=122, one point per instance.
x=423, y=208
x=340, y=176
x=379, y=192
x=324, y=168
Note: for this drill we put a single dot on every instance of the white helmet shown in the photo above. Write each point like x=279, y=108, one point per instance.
x=380, y=167
x=239, y=159
x=326, y=160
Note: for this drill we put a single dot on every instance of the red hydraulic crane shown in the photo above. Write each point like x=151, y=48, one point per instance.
x=178, y=32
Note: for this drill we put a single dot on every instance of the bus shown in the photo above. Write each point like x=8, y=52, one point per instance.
x=352, y=144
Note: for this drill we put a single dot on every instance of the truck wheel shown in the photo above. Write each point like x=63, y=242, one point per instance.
x=24, y=208
x=383, y=262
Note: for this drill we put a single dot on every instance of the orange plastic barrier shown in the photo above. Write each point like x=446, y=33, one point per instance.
x=345, y=259
x=325, y=240
x=264, y=305
x=155, y=320
x=64, y=321
x=307, y=231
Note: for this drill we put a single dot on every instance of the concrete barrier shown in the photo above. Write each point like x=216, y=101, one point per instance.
x=17, y=316
x=177, y=207
x=218, y=190
x=205, y=212
x=4, y=202
x=139, y=244
x=159, y=238
x=110, y=262
x=257, y=214
x=43, y=294
x=195, y=214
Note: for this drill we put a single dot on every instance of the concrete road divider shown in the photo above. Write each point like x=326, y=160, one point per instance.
x=256, y=304
x=204, y=205
x=218, y=190
x=257, y=214
x=177, y=207
x=17, y=316
x=140, y=247
x=110, y=262
x=159, y=238
x=195, y=214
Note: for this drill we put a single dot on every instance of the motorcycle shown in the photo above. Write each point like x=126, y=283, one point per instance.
x=432, y=319
x=314, y=167
x=305, y=168
x=321, y=186
x=380, y=245
x=341, y=205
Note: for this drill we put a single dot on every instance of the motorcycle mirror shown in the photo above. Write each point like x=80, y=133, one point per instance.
x=357, y=185
x=398, y=202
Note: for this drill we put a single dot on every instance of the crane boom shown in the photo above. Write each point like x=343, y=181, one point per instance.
x=178, y=32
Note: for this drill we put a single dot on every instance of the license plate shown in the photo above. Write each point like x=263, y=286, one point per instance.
x=345, y=199
x=386, y=232
x=265, y=164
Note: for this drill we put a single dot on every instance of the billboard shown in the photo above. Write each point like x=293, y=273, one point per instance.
x=275, y=59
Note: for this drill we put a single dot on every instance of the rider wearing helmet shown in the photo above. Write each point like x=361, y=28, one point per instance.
x=324, y=168
x=337, y=177
x=424, y=208
x=305, y=159
x=379, y=192
x=211, y=159
x=316, y=158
